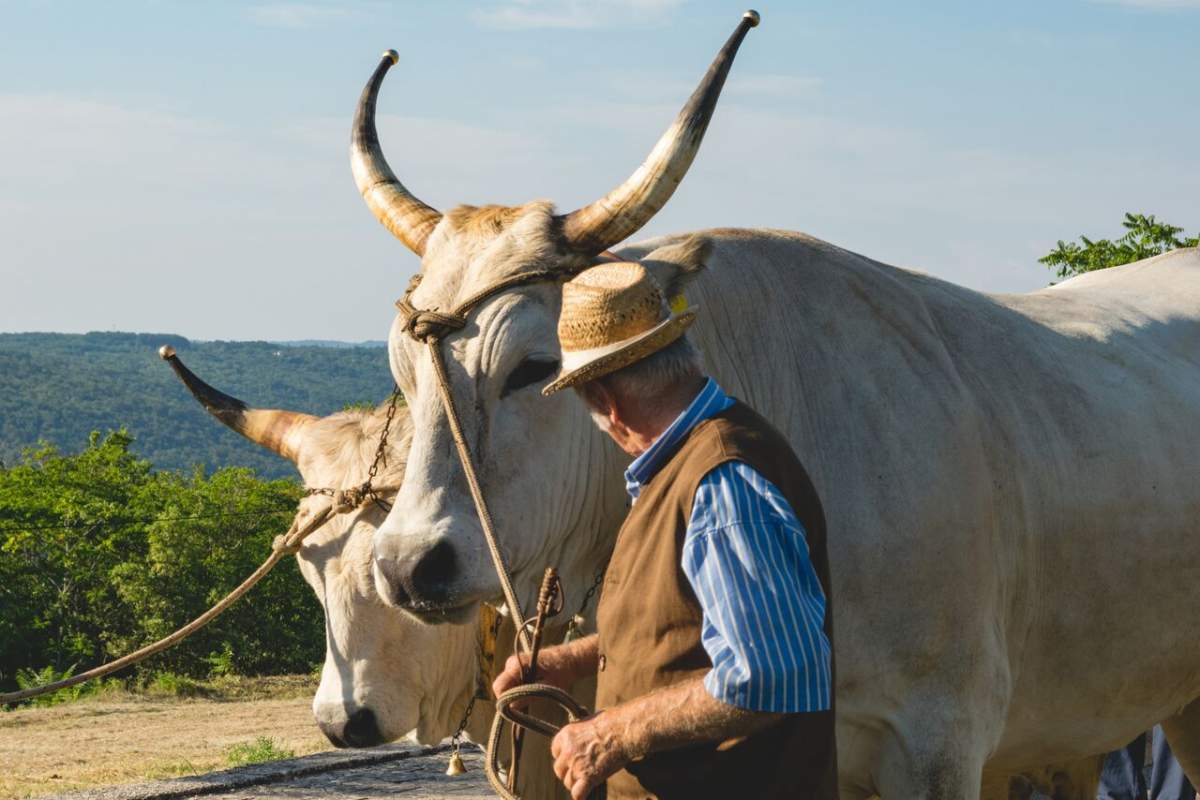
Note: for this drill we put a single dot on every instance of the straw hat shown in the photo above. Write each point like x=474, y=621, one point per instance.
x=613, y=315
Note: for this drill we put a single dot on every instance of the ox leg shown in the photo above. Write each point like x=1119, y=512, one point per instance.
x=929, y=775
x=933, y=756
x=1183, y=734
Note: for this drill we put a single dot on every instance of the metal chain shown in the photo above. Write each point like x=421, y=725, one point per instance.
x=456, y=765
x=575, y=626
x=381, y=452
x=484, y=667
x=595, y=587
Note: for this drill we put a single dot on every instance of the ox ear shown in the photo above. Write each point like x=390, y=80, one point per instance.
x=675, y=265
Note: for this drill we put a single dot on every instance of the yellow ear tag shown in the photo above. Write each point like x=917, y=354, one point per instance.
x=679, y=304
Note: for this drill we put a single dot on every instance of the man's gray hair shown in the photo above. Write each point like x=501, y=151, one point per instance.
x=658, y=372
x=647, y=381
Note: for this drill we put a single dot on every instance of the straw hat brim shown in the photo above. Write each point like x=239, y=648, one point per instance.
x=609, y=359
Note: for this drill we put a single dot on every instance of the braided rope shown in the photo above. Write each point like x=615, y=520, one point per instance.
x=506, y=712
x=481, y=507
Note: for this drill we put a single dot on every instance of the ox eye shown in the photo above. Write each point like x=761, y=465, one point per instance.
x=529, y=372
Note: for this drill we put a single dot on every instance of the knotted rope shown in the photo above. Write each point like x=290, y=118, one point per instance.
x=430, y=326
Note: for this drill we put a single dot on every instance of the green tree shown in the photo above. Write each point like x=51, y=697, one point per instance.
x=1144, y=237
x=62, y=530
x=212, y=533
x=100, y=554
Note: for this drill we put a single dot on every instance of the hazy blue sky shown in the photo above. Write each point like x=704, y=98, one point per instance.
x=172, y=166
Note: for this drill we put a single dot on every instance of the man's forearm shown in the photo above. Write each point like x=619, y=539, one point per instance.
x=676, y=716
x=575, y=660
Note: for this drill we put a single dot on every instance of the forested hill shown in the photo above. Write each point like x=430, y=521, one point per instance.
x=60, y=387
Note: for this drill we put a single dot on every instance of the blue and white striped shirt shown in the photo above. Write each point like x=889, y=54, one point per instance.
x=747, y=560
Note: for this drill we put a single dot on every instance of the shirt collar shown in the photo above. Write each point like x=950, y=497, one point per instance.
x=710, y=401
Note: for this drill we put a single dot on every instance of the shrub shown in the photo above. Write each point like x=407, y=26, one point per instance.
x=100, y=554
x=172, y=685
x=31, y=678
x=259, y=751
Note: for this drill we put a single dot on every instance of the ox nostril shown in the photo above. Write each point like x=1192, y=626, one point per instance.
x=434, y=572
x=334, y=739
x=362, y=730
x=333, y=730
x=394, y=577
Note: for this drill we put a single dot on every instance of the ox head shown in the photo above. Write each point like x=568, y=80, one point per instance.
x=546, y=472
x=385, y=676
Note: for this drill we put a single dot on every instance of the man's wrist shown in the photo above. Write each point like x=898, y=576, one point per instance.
x=619, y=733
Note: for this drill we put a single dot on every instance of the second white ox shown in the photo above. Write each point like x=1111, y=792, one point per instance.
x=1009, y=481
x=384, y=676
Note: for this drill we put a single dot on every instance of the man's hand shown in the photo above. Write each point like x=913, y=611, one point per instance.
x=558, y=666
x=588, y=752
x=585, y=754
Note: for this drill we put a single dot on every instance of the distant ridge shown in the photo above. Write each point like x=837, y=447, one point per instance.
x=332, y=343
x=58, y=387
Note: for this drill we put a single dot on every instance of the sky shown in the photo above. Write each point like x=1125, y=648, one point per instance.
x=181, y=167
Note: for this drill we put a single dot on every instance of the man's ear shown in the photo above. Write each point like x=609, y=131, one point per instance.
x=675, y=265
x=597, y=398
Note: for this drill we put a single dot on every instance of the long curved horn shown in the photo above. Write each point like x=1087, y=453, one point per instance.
x=623, y=211
x=409, y=220
x=279, y=431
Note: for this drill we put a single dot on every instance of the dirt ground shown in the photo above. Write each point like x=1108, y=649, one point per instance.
x=124, y=738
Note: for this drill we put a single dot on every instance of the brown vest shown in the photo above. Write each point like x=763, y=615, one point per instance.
x=649, y=622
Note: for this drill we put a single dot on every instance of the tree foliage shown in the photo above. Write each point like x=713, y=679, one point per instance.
x=1144, y=237
x=101, y=554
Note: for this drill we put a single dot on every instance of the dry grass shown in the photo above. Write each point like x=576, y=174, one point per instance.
x=120, y=738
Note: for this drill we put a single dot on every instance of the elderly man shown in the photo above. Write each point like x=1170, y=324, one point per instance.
x=713, y=655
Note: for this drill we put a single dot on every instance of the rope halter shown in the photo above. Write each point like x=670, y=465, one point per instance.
x=429, y=327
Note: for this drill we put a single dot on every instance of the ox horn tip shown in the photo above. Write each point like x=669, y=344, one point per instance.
x=753, y=16
x=166, y=352
x=392, y=56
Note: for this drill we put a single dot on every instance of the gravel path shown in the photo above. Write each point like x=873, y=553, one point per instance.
x=417, y=773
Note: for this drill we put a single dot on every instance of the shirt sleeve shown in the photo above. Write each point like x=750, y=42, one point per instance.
x=747, y=559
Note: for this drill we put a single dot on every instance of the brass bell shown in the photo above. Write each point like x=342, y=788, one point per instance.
x=455, y=767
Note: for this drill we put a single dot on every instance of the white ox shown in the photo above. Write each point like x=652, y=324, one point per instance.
x=1009, y=481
